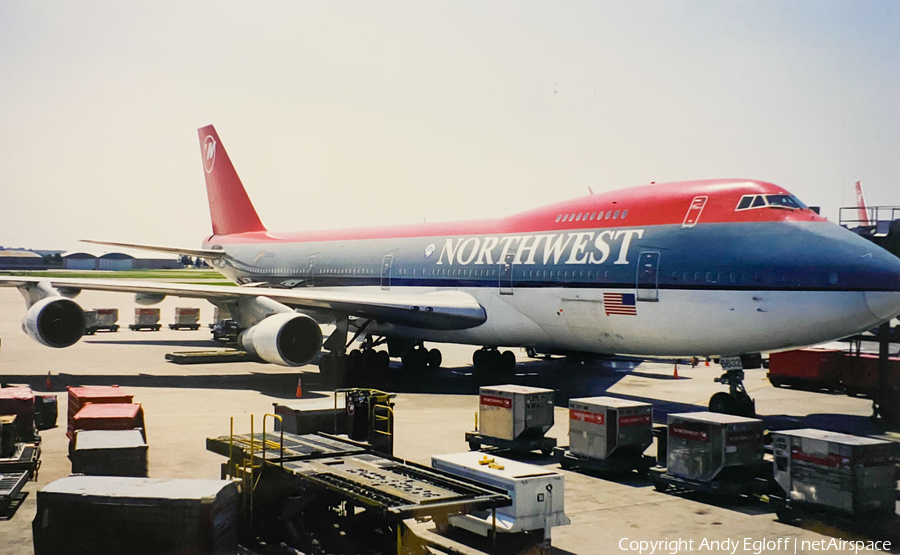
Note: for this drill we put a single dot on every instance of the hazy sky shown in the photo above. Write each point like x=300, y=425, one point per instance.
x=365, y=113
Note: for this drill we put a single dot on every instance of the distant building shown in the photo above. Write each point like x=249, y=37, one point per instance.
x=15, y=259
x=79, y=261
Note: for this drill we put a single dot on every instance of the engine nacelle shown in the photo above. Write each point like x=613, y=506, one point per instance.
x=148, y=299
x=287, y=339
x=54, y=322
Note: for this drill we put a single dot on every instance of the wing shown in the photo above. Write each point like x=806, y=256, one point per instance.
x=440, y=310
x=210, y=254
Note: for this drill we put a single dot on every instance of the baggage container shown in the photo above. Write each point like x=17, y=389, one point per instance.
x=90, y=322
x=186, y=318
x=110, y=453
x=859, y=374
x=538, y=493
x=513, y=412
x=46, y=411
x=601, y=427
x=19, y=401
x=8, y=435
x=80, y=396
x=112, y=515
x=107, y=317
x=705, y=446
x=145, y=318
x=842, y=472
x=109, y=416
x=310, y=416
x=811, y=368
x=185, y=315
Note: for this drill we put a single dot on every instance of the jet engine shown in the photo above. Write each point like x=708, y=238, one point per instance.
x=54, y=322
x=286, y=338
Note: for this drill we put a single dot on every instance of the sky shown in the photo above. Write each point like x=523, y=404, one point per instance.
x=341, y=114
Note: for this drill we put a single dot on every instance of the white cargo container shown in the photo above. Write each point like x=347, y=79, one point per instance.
x=146, y=316
x=703, y=445
x=838, y=471
x=186, y=315
x=601, y=427
x=511, y=412
x=538, y=493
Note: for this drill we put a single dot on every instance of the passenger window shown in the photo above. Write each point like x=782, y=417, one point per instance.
x=616, y=215
x=732, y=278
x=758, y=201
x=624, y=213
x=578, y=218
x=687, y=276
x=608, y=214
x=593, y=215
x=558, y=218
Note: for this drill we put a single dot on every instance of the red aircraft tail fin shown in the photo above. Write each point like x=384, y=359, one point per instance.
x=229, y=206
x=863, y=213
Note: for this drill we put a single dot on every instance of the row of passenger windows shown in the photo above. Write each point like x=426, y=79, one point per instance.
x=588, y=216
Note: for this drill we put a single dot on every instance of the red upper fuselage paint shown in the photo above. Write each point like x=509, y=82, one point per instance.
x=649, y=205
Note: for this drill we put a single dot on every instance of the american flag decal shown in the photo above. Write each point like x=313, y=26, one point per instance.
x=619, y=303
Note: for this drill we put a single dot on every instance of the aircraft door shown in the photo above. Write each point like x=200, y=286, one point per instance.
x=386, y=271
x=310, y=271
x=505, y=275
x=648, y=276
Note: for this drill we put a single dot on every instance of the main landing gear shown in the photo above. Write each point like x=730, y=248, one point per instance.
x=490, y=359
x=418, y=358
x=736, y=402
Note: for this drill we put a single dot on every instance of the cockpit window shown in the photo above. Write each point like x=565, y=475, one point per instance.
x=745, y=202
x=787, y=201
x=759, y=201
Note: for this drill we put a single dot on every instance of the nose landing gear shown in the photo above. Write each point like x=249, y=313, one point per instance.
x=736, y=402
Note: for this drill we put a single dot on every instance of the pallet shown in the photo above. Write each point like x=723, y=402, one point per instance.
x=613, y=465
x=543, y=444
x=27, y=458
x=664, y=481
x=138, y=327
x=192, y=327
x=11, y=484
x=207, y=357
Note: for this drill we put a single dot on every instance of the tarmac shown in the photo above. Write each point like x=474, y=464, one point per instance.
x=184, y=405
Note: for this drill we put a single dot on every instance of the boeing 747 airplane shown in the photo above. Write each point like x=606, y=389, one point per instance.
x=705, y=268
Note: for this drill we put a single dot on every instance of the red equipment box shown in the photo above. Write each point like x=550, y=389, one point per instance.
x=811, y=368
x=19, y=401
x=81, y=396
x=110, y=416
x=859, y=374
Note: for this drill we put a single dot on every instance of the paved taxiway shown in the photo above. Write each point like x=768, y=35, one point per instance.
x=186, y=404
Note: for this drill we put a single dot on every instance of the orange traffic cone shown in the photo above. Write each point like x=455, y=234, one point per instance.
x=707, y=362
x=49, y=386
x=299, y=393
x=675, y=373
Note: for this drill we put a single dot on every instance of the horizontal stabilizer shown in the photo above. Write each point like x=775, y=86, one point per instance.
x=209, y=254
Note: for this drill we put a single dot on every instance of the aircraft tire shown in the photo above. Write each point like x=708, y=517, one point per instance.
x=478, y=359
x=720, y=402
x=507, y=362
x=434, y=358
x=494, y=359
x=383, y=360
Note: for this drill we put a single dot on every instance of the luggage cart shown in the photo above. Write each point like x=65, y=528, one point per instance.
x=613, y=465
x=756, y=482
x=525, y=445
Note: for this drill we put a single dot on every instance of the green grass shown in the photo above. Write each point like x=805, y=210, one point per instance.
x=186, y=274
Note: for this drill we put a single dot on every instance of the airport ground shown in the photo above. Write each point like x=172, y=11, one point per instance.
x=186, y=404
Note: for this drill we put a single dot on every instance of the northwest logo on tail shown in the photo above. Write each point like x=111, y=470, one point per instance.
x=209, y=148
